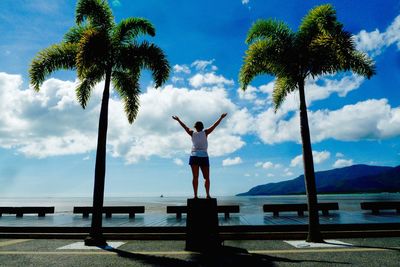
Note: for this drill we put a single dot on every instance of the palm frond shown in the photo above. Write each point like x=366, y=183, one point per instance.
x=282, y=87
x=130, y=28
x=94, y=48
x=268, y=29
x=321, y=19
x=97, y=12
x=148, y=56
x=74, y=34
x=55, y=57
x=126, y=83
x=265, y=57
x=83, y=90
x=333, y=53
x=363, y=65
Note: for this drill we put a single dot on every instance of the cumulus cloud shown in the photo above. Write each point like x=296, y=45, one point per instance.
x=375, y=42
x=202, y=65
x=209, y=78
x=248, y=94
x=181, y=68
x=241, y=122
x=51, y=122
x=231, y=161
x=296, y=161
x=342, y=163
x=319, y=157
x=267, y=165
x=369, y=120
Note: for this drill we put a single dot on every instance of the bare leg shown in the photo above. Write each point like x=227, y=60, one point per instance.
x=206, y=174
x=195, y=181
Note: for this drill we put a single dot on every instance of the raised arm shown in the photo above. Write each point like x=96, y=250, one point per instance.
x=187, y=129
x=209, y=130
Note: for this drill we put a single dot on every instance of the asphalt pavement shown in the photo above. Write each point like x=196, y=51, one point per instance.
x=60, y=252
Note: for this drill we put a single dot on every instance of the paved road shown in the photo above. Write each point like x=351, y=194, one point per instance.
x=39, y=252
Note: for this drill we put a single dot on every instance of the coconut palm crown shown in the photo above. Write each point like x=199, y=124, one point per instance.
x=100, y=49
x=320, y=46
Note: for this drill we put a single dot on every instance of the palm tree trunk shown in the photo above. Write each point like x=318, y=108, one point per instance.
x=314, y=233
x=96, y=234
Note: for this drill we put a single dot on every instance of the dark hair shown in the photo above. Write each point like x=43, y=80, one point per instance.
x=199, y=126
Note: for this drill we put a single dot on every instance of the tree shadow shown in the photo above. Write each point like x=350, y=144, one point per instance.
x=224, y=256
x=151, y=259
x=364, y=246
x=233, y=256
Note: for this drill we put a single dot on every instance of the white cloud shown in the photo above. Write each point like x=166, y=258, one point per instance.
x=248, y=94
x=296, y=161
x=319, y=157
x=366, y=120
x=240, y=122
x=51, y=123
x=201, y=65
x=343, y=163
x=178, y=162
x=375, y=42
x=258, y=164
x=176, y=79
x=267, y=165
x=267, y=88
x=181, y=68
x=231, y=161
x=209, y=78
x=245, y=2
x=339, y=155
x=287, y=172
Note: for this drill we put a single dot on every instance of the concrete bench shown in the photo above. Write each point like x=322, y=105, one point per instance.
x=384, y=205
x=109, y=210
x=226, y=209
x=20, y=211
x=299, y=208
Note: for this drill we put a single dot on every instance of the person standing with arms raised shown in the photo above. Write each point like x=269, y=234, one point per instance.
x=199, y=156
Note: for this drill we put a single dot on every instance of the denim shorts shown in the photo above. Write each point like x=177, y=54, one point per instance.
x=200, y=161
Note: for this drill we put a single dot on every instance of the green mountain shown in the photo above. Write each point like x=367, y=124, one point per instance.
x=352, y=179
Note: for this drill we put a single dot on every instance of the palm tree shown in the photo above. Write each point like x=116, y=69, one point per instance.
x=320, y=46
x=99, y=49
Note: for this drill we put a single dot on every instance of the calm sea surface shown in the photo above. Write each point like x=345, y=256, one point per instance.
x=248, y=205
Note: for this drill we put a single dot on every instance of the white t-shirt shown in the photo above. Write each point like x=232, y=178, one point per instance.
x=200, y=144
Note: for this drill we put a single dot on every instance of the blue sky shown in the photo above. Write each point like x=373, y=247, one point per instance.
x=47, y=141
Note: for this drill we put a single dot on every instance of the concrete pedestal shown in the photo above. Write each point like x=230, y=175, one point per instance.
x=202, y=225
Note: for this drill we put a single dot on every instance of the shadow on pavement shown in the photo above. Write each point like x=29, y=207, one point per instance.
x=364, y=246
x=232, y=256
x=225, y=256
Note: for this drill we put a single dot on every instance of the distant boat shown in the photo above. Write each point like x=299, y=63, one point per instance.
x=162, y=196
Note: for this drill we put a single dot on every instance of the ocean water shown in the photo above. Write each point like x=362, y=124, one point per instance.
x=157, y=205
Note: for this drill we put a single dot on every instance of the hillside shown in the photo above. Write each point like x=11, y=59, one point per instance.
x=352, y=179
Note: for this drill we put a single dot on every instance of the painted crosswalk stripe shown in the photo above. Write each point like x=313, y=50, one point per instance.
x=326, y=244
x=81, y=246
